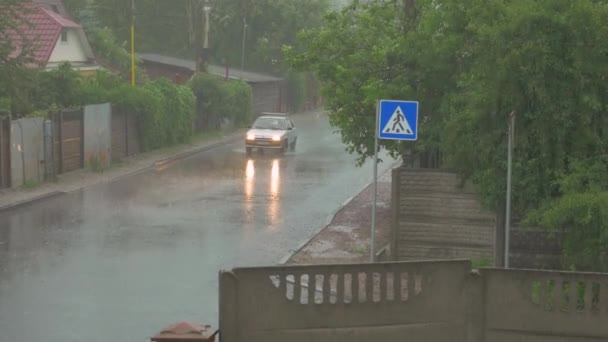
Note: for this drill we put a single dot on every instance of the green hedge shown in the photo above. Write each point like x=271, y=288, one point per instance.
x=217, y=100
x=165, y=112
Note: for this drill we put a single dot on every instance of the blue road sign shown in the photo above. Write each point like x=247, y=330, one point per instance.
x=398, y=120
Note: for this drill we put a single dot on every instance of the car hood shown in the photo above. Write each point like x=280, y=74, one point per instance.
x=265, y=132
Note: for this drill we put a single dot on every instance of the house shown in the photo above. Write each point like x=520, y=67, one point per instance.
x=269, y=92
x=52, y=39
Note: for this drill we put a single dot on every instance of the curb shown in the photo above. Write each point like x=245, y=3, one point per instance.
x=32, y=201
x=326, y=224
x=195, y=151
x=329, y=219
x=154, y=164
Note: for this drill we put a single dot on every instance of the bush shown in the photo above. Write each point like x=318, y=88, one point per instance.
x=5, y=103
x=97, y=89
x=217, y=100
x=583, y=217
x=146, y=103
x=177, y=111
x=164, y=111
x=296, y=91
x=239, y=104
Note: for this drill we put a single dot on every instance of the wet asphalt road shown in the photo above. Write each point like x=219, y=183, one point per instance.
x=120, y=261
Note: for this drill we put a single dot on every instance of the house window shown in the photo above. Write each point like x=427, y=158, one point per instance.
x=64, y=36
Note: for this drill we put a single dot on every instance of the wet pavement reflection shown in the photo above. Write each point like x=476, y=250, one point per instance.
x=118, y=262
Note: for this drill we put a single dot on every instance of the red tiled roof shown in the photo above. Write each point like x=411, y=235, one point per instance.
x=39, y=32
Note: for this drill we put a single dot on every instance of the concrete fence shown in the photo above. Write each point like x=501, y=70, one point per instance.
x=411, y=301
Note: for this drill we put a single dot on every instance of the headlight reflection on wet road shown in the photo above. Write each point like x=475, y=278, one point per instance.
x=274, y=203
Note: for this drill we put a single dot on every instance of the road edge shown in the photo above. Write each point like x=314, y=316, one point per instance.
x=156, y=163
x=330, y=219
x=31, y=201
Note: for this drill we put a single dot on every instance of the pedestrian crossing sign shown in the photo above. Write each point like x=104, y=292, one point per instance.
x=398, y=120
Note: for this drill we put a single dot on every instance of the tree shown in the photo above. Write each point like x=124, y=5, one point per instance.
x=383, y=49
x=15, y=53
x=175, y=27
x=470, y=65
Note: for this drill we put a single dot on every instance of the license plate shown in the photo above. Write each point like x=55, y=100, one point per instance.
x=263, y=143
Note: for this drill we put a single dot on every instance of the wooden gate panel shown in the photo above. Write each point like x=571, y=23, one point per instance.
x=119, y=134
x=68, y=127
x=72, y=145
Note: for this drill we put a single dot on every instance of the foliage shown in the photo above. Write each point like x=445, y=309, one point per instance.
x=30, y=184
x=360, y=59
x=105, y=45
x=470, y=65
x=98, y=163
x=297, y=90
x=165, y=112
x=56, y=87
x=177, y=109
x=98, y=89
x=584, y=219
x=175, y=27
x=5, y=103
x=13, y=74
x=218, y=100
x=75, y=7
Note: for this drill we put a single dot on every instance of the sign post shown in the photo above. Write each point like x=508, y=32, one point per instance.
x=395, y=120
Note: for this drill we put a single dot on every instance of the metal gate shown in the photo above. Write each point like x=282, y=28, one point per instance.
x=5, y=152
x=68, y=142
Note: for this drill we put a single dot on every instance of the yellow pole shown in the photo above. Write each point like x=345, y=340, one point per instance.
x=133, y=42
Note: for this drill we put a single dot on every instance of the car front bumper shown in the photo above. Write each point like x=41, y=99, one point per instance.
x=264, y=144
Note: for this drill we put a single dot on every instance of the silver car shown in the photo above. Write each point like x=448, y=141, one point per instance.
x=271, y=131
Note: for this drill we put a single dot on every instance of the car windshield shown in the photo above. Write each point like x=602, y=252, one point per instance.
x=270, y=123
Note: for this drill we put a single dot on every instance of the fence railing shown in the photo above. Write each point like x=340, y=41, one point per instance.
x=417, y=301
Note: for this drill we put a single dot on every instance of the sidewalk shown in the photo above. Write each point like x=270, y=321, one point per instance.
x=76, y=180
x=347, y=238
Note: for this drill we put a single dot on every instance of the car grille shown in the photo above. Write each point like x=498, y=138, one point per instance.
x=258, y=138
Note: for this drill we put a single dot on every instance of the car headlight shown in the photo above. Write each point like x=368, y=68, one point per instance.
x=276, y=138
x=250, y=137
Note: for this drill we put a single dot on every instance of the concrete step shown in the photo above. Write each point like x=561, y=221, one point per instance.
x=443, y=207
x=424, y=181
x=408, y=252
x=447, y=233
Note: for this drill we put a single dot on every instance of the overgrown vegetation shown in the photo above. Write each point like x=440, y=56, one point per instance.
x=470, y=65
x=175, y=29
x=218, y=100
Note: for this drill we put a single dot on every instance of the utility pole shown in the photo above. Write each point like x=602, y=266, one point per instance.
x=203, y=53
x=509, y=173
x=133, y=42
x=243, y=46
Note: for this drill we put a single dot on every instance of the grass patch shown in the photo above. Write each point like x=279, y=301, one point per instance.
x=206, y=136
x=30, y=184
x=482, y=262
x=98, y=163
x=359, y=250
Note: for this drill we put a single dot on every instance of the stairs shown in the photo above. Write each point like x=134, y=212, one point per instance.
x=439, y=219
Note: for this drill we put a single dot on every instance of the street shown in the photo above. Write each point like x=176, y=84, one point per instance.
x=120, y=261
